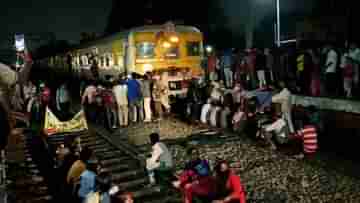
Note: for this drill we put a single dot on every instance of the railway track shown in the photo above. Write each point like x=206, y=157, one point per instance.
x=126, y=166
x=35, y=180
x=126, y=163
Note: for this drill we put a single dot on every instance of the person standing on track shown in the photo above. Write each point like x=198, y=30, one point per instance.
x=134, y=99
x=160, y=96
x=121, y=91
x=146, y=93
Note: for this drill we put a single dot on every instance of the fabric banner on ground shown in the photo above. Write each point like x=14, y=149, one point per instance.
x=54, y=126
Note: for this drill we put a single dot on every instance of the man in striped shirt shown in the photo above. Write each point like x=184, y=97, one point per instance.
x=309, y=136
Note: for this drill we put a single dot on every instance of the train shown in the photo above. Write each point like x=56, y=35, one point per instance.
x=174, y=50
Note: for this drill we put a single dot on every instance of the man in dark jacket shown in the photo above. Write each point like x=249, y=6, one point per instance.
x=134, y=98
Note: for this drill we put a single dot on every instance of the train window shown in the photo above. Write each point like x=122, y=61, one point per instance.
x=193, y=48
x=172, y=52
x=145, y=50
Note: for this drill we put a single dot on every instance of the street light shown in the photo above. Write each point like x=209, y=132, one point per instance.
x=209, y=49
x=278, y=41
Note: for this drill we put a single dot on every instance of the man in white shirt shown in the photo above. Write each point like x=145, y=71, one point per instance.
x=160, y=160
x=284, y=98
x=330, y=70
x=280, y=129
x=120, y=92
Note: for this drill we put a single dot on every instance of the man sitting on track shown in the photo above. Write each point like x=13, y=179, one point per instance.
x=160, y=161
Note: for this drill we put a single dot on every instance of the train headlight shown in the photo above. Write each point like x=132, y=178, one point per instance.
x=166, y=45
x=148, y=67
x=174, y=39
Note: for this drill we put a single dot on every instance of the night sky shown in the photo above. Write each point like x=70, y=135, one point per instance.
x=68, y=18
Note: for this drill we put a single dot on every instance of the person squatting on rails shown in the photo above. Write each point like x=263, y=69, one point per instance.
x=160, y=160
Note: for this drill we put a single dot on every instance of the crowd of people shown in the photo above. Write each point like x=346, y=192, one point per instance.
x=226, y=103
x=239, y=92
x=251, y=113
x=129, y=99
x=265, y=113
x=329, y=71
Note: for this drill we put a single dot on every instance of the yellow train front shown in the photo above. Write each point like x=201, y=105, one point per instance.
x=177, y=53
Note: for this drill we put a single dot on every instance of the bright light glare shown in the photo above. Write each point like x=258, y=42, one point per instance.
x=166, y=45
x=174, y=39
x=209, y=49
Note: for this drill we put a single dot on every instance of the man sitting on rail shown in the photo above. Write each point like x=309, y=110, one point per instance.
x=278, y=128
x=160, y=160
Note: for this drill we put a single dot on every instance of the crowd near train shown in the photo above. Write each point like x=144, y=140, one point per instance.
x=130, y=77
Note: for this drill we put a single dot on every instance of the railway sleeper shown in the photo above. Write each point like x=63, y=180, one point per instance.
x=128, y=175
x=101, y=146
x=102, y=150
x=119, y=162
x=94, y=143
x=116, y=154
x=134, y=185
x=88, y=139
x=116, y=168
